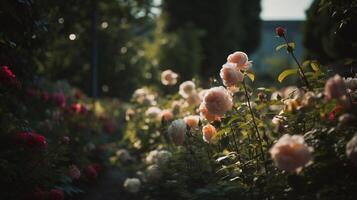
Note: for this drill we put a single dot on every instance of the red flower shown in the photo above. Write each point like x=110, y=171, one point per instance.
x=335, y=112
x=6, y=76
x=31, y=140
x=280, y=31
x=59, y=99
x=56, y=194
x=38, y=194
x=91, y=171
x=76, y=107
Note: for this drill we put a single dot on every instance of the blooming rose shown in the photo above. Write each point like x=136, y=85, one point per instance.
x=308, y=98
x=208, y=131
x=91, y=171
x=192, y=120
x=291, y=153
x=56, y=194
x=351, y=83
x=74, y=172
x=31, y=140
x=187, y=88
x=280, y=31
x=335, y=88
x=7, y=77
x=166, y=115
x=76, y=107
x=124, y=155
x=168, y=77
x=218, y=101
x=202, y=94
x=132, y=185
x=129, y=113
x=346, y=118
x=207, y=115
x=240, y=58
x=177, y=131
x=193, y=99
x=153, y=112
x=351, y=150
x=230, y=75
x=59, y=99
x=143, y=96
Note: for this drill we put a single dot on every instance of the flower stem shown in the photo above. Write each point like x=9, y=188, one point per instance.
x=255, y=126
x=301, y=71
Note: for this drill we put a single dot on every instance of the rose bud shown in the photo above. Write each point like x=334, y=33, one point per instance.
x=280, y=31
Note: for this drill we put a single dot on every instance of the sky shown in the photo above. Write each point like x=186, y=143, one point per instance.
x=284, y=9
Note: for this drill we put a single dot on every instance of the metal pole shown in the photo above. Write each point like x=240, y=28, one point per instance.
x=94, y=51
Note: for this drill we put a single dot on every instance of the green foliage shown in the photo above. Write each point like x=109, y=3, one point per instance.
x=330, y=33
x=226, y=27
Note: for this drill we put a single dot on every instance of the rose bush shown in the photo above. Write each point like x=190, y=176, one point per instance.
x=47, y=142
x=241, y=142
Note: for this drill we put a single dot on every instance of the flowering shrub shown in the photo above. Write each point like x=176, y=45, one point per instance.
x=49, y=150
x=235, y=141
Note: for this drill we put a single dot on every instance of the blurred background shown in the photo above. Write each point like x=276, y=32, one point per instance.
x=108, y=48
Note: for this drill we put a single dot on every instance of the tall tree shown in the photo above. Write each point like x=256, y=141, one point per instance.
x=330, y=33
x=226, y=26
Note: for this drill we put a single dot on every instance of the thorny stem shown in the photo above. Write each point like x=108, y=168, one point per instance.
x=255, y=126
x=301, y=71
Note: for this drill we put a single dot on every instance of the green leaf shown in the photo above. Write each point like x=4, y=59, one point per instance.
x=315, y=66
x=280, y=47
x=286, y=73
x=291, y=44
x=250, y=75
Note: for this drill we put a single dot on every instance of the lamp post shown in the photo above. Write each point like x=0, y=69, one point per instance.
x=94, y=51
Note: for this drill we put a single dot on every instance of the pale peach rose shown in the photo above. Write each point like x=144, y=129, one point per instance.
x=177, y=131
x=351, y=83
x=124, y=155
x=218, y=101
x=291, y=105
x=153, y=112
x=129, y=114
x=278, y=120
x=208, y=131
x=230, y=75
x=192, y=120
x=351, y=150
x=292, y=92
x=346, y=118
x=139, y=95
x=308, y=99
x=240, y=58
x=169, y=77
x=166, y=115
x=207, y=115
x=193, y=99
x=335, y=88
x=187, y=88
x=143, y=96
x=132, y=185
x=291, y=153
x=202, y=94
